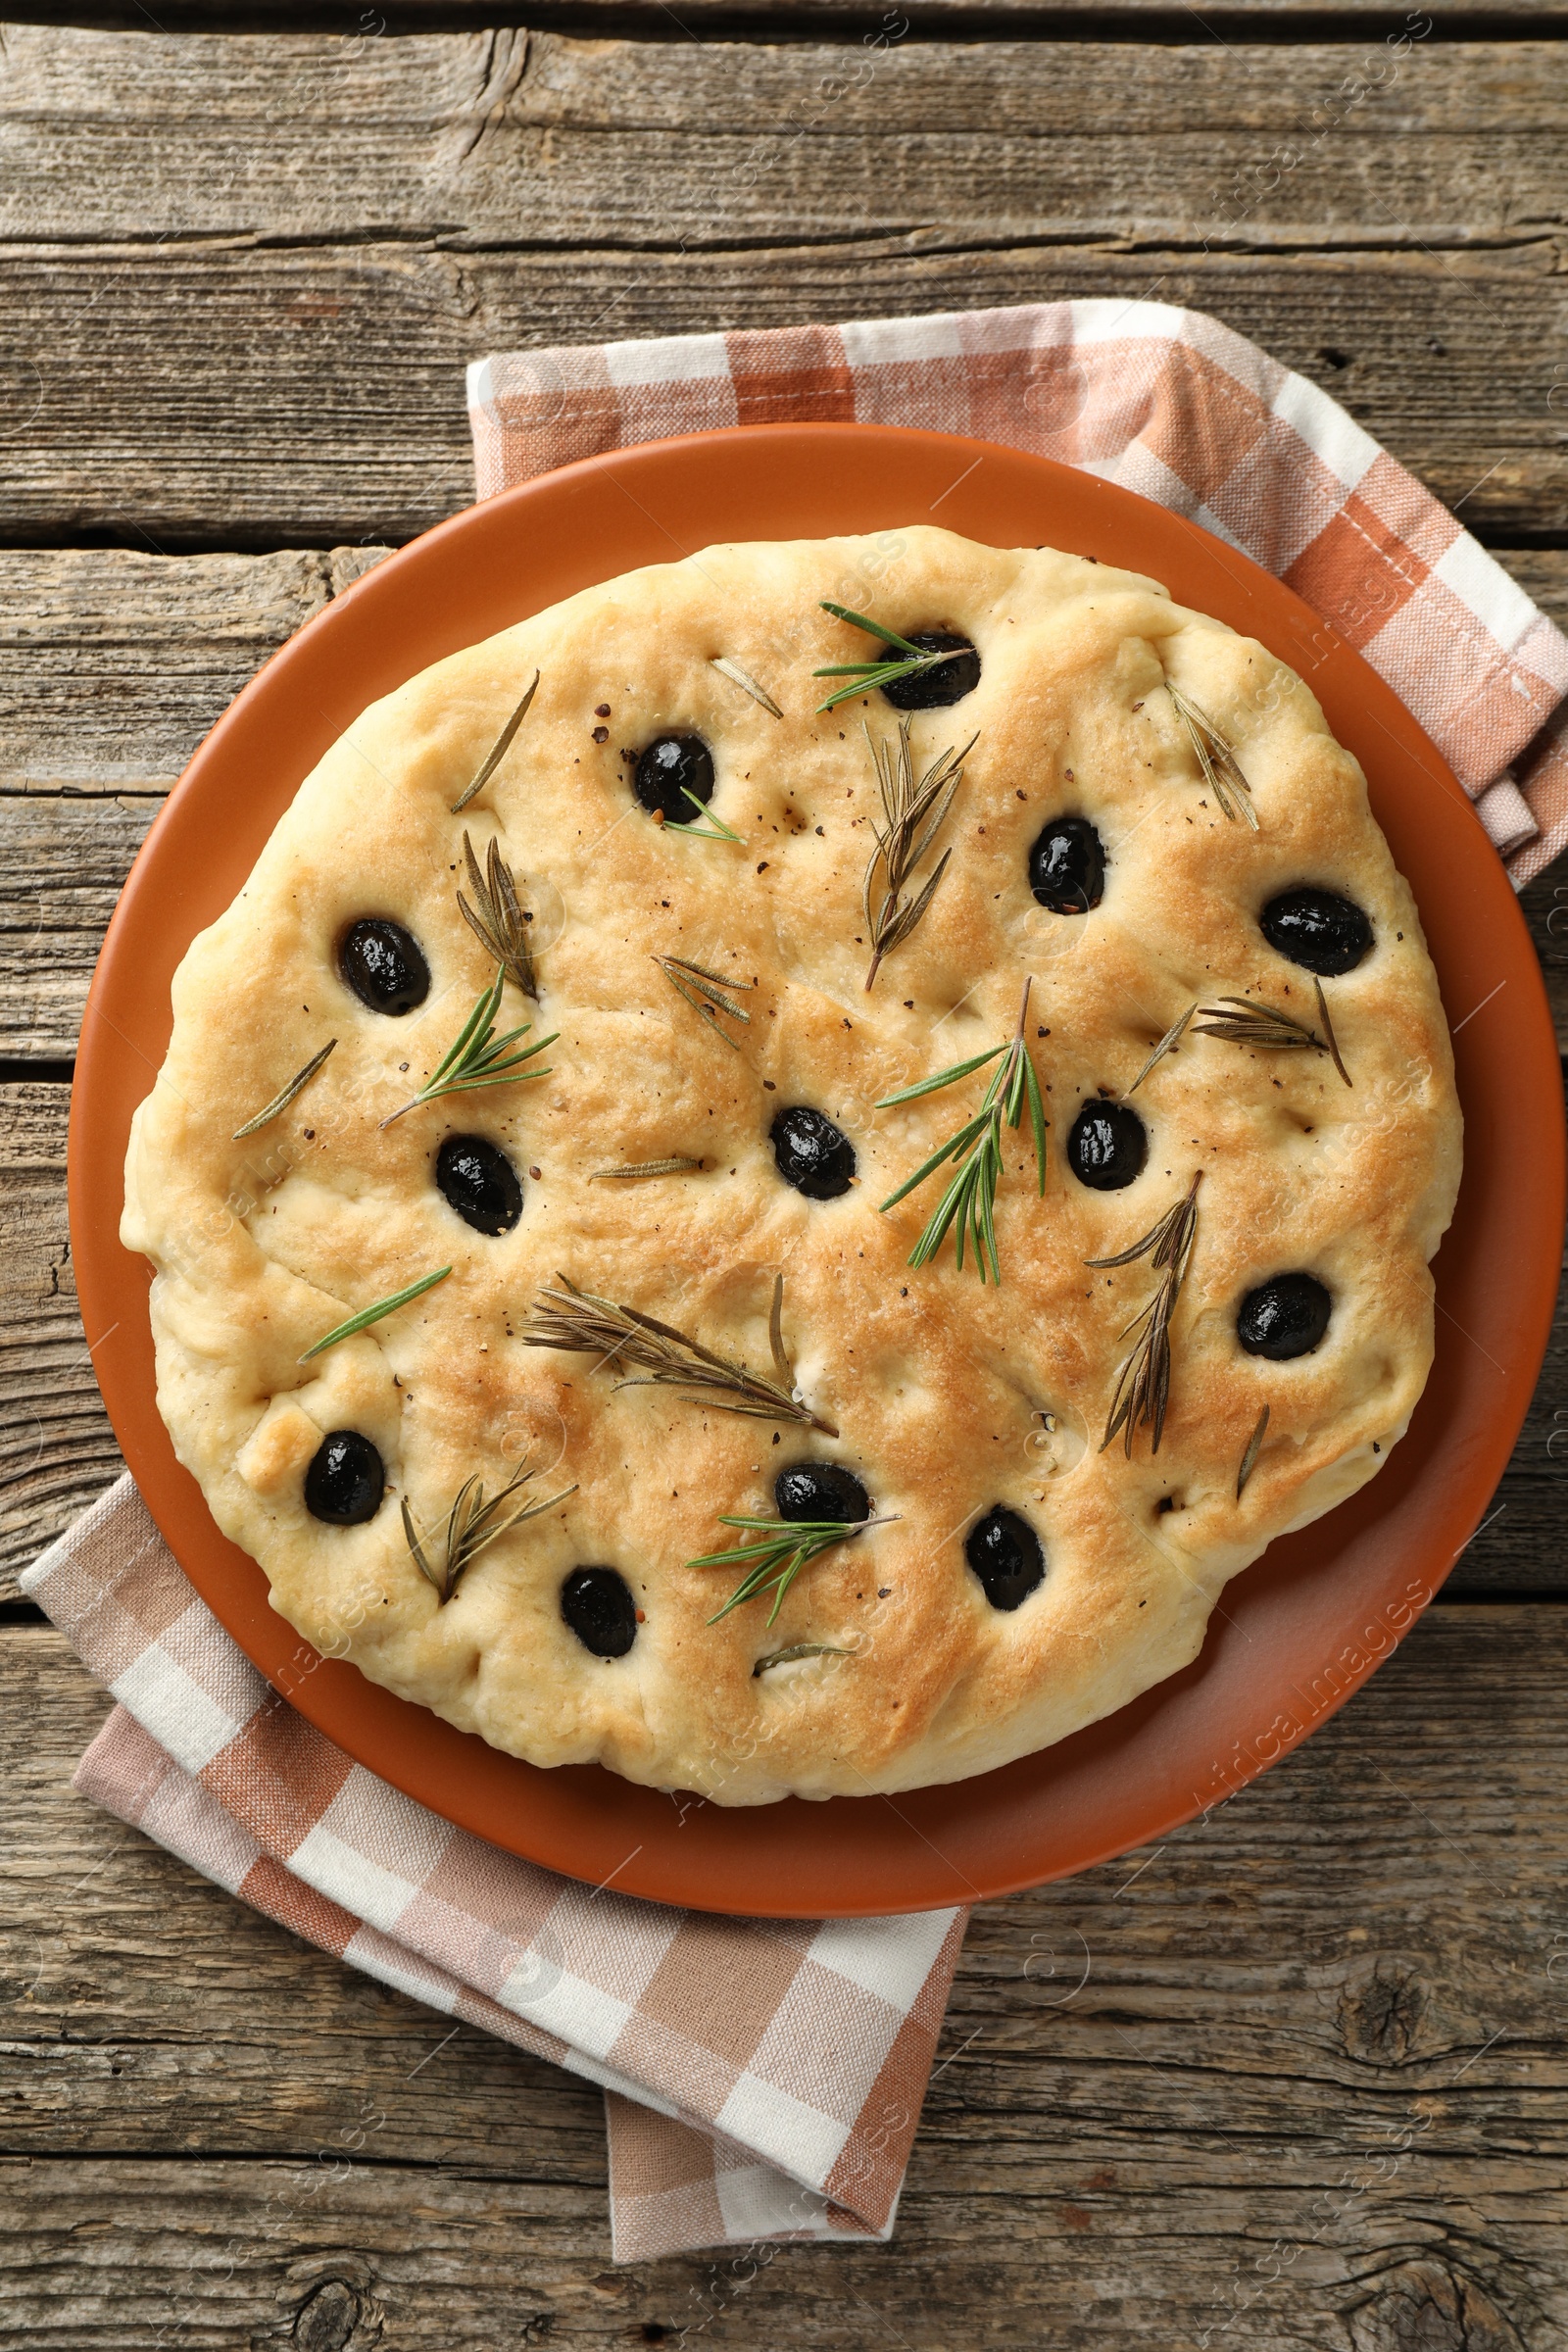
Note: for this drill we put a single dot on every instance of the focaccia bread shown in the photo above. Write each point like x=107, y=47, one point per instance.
x=669, y=1282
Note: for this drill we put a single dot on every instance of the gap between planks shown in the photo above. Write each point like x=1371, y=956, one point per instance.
x=1278, y=23
x=1396, y=240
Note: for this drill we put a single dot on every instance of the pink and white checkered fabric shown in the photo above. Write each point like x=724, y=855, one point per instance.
x=1167, y=402
x=762, y=2079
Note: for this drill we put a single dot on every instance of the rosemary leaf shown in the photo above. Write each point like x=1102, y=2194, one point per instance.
x=496, y=919
x=913, y=813
x=1221, y=769
x=472, y=1525
x=704, y=990
x=968, y=1205
x=1265, y=1027
x=478, y=1058
x=1250, y=1024
x=1167, y=1044
x=776, y=1552
x=799, y=1649
x=1142, y=1383
x=872, y=629
x=1255, y=1445
x=867, y=675
x=715, y=828
x=1328, y=1032
x=372, y=1314
x=747, y=684
x=581, y=1323
x=498, y=750
x=280, y=1102
x=676, y=1166
x=932, y=1085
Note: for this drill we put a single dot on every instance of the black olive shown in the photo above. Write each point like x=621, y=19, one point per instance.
x=1317, y=929
x=1285, y=1317
x=383, y=964
x=345, y=1481
x=597, y=1605
x=811, y=1154
x=477, y=1179
x=821, y=1490
x=1005, y=1553
x=1067, y=866
x=1108, y=1144
x=947, y=682
x=671, y=766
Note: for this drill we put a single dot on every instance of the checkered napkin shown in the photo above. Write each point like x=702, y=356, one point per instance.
x=761, y=2080
x=1167, y=402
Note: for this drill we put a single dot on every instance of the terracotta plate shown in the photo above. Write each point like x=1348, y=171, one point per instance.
x=1294, y=1635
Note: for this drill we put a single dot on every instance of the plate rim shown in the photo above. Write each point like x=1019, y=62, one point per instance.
x=706, y=1869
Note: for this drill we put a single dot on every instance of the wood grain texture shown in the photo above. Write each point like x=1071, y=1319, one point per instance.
x=57, y=1450
x=1299, y=2077
x=113, y=667
x=114, y=664
x=447, y=136
x=843, y=20
x=312, y=236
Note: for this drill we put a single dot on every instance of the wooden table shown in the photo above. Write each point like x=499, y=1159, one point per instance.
x=1297, y=2077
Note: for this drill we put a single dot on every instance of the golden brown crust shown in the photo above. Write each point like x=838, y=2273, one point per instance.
x=940, y=1388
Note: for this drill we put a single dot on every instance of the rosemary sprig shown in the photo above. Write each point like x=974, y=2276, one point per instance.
x=911, y=663
x=472, y=1525
x=296, y=1085
x=496, y=919
x=715, y=828
x=913, y=816
x=969, y=1200
x=704, y=990
x=1142, y=1384
x=799, y=1649
x=1275, y=1032
x=582, y=1323
x=1255, y=1445
x=775, y=1554
x=1167, y=1044
x=498, y=750
x=478, y=1056
x=372, y=1314
x=677, y=1165
x=1221, y=768
x=747, y=684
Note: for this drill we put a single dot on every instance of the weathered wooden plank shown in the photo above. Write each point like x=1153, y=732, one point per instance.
x=1278, y=2082
x=62, y=864
x=113, y=665
x=347, y=367
x=309, y=236
x=57, y=1450
x=422, y=124
x=847, y=21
